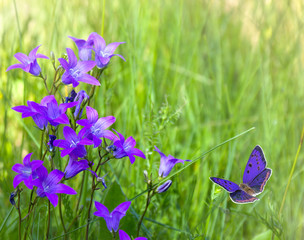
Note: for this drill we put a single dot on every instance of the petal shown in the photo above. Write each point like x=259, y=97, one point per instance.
x=89, y=79
x=97, y=141
x=109, y=135
x=64, y=64
x=164, y=187
x=101, y=209
x=62, y=188
x=161, y=154
x=18, y=65
x=22, y=109
x=19, y=168
x=104, y=122
x=92, y=114
x=39, y=55
x=118, y=55
x=123, y=207
x=129, y=143
x=79, y=151
x=83, y=122
x=29, y=183
x=74, y=167
x=70, y=134
x=132, y=158
x=21, y=57
x=121, y=137
x=99, y=42
x=61, y=143
x=48, y=99
x=113, y=222
x=62, y=119
x=53, y=198
x=36, y=164
x=40, y=192
x=40, y=121
x=35, y=68
x=32, y=54
x=85, y=66
x=137, y=152
x=85, y=141
x=27, y=159
x=123, y=235
x=64, y=106
x=110, y=48
x=42, y=173
x=66, y=151
x=79, y=42
x=72, y=58
x=18, y=179
x=53, y=178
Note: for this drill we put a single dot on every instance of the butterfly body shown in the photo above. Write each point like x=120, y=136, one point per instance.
x=255, y=178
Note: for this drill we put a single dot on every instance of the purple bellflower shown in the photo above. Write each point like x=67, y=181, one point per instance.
x=125, y=148
x=103, y=52
x=167, y=163
x=48, y=184
x=73, y=144
x=74, y=167
x=76, y=72
x=28, y=63
x=26, y=171
x=124, y=236
x=112, y=219
x=80, y=97
x=95, y=128
x=47, y=111
x=84, y=47
x=164, y=187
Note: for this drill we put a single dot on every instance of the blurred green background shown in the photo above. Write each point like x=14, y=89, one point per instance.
x=196, y=73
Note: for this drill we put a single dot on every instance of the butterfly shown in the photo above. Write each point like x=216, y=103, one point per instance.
x=254, y=179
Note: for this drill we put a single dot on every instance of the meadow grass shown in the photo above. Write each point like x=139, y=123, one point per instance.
x=196, y=74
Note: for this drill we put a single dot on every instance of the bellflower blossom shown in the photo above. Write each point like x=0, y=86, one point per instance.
x=76, y=72
x=26, y=171
x=28, y=63
x=125, y=148
x=73, y=144
x=48, y=184
x=47, y=111
x=103, y=52
x=167, y=163
x=124, y=236
x=74, y=167
x=80, y=97
x=95, y=128
x=112, y=219
x=84, y=47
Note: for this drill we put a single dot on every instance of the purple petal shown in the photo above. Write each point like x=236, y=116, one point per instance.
x=53, y=198
x=121, y=137
x=162, y=155
x=48, y=99
x=32, y=54
x=62, y=188
x=19, y=168
x=66, y=151
x=18, y=179
x=54, y=177
x=64, y=64
x=64, y=106
x=70, y=134
x=131, y=157
x=110, y=48
x=40, y=121
x=92, y=114
x=129, y=143
x=42, y=173
x=35, y=68
x=79, y=151
x=72, y=58
x=62, y=119
x=113, y=222
x=97, y=141
x=109, y=135
x=89, y=79
x=99, y=42
x=123, y=235
x=137, y=152
x=123, y=207
x=74, y=167
x=101, y=209
x=85, y=141
x=27, y=159
x=83, y=122
x=28, y=183
x=40, y=192
x=105, y=122
x=85, y=66
x=61, y=143
x=36, y=164
x=118, y=55
x=39, y=55
x=21, y=57
x=18, y=65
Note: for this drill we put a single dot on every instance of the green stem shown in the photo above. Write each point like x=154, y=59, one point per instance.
x=149, y=196
x=41, y=144
x=19, y=213
x=49, y=220
x=60, y=213
x=81, y=190
x=89, y=211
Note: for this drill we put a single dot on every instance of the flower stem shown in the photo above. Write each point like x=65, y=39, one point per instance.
x=60, y=213
x=19, y=213
x=49, y=220
x=81, y=190
x=149, y=196
x=89, y=211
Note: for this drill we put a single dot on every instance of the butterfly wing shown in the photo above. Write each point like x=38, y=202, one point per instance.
x=242, y=197
x=255, y=165
x=259, y=182
x=227, y=185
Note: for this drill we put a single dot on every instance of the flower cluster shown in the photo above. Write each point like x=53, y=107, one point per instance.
x=75, y=135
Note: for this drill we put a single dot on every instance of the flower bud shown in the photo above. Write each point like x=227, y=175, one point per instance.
x=164, y=187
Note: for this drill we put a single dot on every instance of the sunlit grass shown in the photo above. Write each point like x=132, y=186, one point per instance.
x=197, y=73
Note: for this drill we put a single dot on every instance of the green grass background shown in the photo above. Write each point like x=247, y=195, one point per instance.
x=196, y=74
